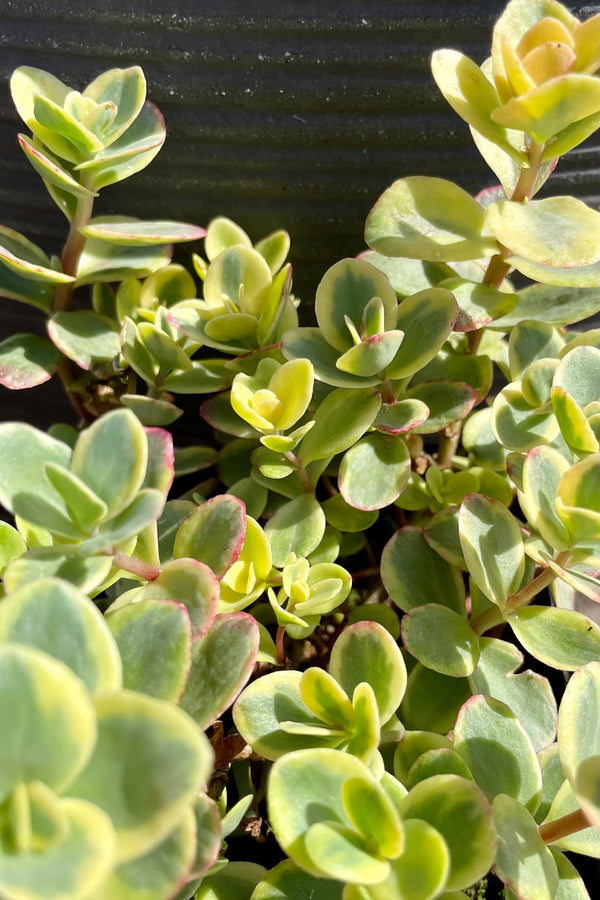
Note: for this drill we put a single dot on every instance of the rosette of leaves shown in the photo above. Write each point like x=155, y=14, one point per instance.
x=82, y=142
x=247, y=291
x=79, y=816
x=78, y=507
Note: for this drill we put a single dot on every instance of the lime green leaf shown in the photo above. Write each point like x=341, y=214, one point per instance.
x=458, y=810
x=561, y=638
x=427, y=319
x=471, y=95
x=412, y=746
x=558, y=231
x=570, y=886
x=326, y=700
x=438, y=761
x=126, y=88
x=428, y=218
x=492, y=545
x=550, y=107
x=523, y=861
x=50, y=169
x=177, y=762
x=478, y=304
x=374, y=472
x=12, y=545
x=574, y=277
x=422, y=871
x=222, y=662
x=271, y=700
x=46, y=717
x=449, y=365
x=25, y=450
x=366, y=652
x=26, y=360
x=72, y=867
x=235, y=881
x=27, y=81
x=305, y=789
x=221, y=234
x=497, y=750
x=344, y=517
x=374, y=816
x=84, y=572
x=578, y=503
x=57, y=618
x=341, y=419
x=296, y=527
x=338, y=850
x=585, y=841
x=441, y=639
x=528, y=694
x=190, y=583
x=413, y=573
x=24, y=259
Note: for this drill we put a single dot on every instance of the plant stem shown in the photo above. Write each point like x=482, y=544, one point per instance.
x=448, y=445
x=73, y=249
x=303, y=478
x=135, y=566
x=280, y=646
x=559, y=828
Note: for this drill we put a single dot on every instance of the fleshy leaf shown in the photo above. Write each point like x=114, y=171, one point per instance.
x=26, y=360
x=577, y=733
x=366, y=652
x=497, y=750
x=136, y=233
x=561, y=638
x=441, y=639
x=213, y=534
x=523, y=862
x=428, y=218
x=296, y=527
x=25, y=450
x=222, y=662
x=492, y=545
x=413, y=573
x=84, y=337
x=421, y=872
x=341, y=419
x=374, y=472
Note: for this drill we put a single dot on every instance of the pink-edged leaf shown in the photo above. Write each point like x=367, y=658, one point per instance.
x=26, y=360
x=161, y=460
x=136, y=233
x=222, y=662
x=190, y=583
x=214, y=533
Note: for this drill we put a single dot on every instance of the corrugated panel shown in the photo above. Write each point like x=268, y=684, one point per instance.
x=294, y=114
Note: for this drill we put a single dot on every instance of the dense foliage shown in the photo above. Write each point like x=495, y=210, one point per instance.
x=319, y=639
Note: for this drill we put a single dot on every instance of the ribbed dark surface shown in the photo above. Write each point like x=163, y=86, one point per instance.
x=280, y=114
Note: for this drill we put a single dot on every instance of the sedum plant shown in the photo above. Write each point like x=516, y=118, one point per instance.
x=299, y=671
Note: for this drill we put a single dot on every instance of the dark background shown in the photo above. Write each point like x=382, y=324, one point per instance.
x=292, y=114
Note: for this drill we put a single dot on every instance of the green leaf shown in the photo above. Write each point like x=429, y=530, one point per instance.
x=25, y=450
x=76, y=864
x=421, y=872
x=287, y=882
x=177, y=761
x=457, y=809
x=84, y=337
x=50, y=169
x=115, y=478
x=432, y=701
x=160, y=872
x=478, y=304
x=26, y=360
x=155, y=642
x=268, y=702
x=528, y=694
x=126, y=88
x=309, y=343
x=447, y=401
x=440, y=639
x=305, y=789
x=428, y=218
x=413, y=573
x=578, y=503
x=46, y=717
x=374, y=816
x=84, y=572
x=130, y=153
x=137, y=233
x=542, y=471
x=581, y=277
x=366, y=652
x=375, y=471
x=12, y=545
x=26, y=82
x=235, y=881
x=338, y=850
x=558, y=231
x=341, y=419
x=55, y=617
x=578, y=722
x=401, y=416
x=427, y=318
x=449, y=365
x=492, y=545
x=438, y=761
x=101, y=261
x=586, y=841
x=517, y=425
x=213, y=534
x=24, y=259
x=497, y=750
x=326, y=700
x=570, y=886
x=341, y=515
x=345, y=291
x=561, y=638
x=555, y=306
x=523, y=861
x=222, y=662
x=296, y=527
